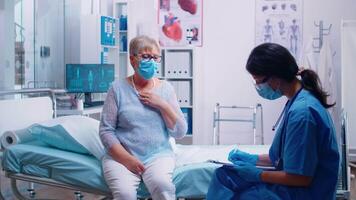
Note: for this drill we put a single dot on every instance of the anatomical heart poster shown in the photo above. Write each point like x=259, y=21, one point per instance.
x=280, y=21
x=180, y=22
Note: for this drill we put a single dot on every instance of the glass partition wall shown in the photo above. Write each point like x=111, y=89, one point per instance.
x=32, y=44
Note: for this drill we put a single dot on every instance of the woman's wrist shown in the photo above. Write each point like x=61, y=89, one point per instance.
x=163, y=105
x=126, y=159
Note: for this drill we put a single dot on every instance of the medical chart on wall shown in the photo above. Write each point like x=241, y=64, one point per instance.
x=280, y=21
x=180, y=22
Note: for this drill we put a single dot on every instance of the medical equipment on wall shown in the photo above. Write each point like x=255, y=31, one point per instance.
x=218, y=118
x=108, y=30
x=322, y=32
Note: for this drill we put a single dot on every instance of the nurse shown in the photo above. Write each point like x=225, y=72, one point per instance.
x=304, y=150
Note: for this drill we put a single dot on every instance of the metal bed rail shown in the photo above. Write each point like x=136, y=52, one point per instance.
x=41, y=84
x=51, y=92
x=218, y=118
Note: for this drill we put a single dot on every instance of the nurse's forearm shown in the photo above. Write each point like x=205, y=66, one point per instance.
x=283, y=178
x=264, y=160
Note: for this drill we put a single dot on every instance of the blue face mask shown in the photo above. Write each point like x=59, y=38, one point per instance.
x=147, y=69
x=265, y=91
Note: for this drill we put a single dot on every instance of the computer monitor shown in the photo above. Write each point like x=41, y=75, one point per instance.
x=89, y=78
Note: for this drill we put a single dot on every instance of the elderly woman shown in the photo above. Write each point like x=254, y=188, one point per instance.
x=140, y=114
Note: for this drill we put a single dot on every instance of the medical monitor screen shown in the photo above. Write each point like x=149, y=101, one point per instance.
x=85, y=78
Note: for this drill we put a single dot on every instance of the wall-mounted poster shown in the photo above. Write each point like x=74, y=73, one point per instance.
x=180, y=22
x=280, y=21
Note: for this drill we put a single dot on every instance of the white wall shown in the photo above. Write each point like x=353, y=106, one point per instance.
x=228, y=38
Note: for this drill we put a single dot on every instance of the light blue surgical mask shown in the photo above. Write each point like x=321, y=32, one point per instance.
x=265, y=91
x=147, y=69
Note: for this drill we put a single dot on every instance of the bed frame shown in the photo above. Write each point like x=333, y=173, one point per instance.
x=49, y=182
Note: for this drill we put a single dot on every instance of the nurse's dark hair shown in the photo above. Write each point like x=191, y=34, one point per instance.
x=274, y=60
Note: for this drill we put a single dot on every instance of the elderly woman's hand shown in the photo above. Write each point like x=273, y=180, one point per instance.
x=151, y=99
x=134, y=165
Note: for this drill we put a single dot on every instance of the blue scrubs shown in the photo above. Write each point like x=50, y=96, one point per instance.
x=306, y=143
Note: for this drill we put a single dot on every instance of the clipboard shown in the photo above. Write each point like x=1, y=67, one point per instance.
x=269, y=168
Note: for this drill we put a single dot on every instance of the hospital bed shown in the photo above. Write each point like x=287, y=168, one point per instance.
x=37, y=162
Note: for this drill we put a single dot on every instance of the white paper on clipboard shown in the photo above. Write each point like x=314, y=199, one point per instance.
x=232, y=165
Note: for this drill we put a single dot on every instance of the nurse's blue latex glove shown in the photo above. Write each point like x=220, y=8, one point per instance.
x=247, y=171
x=237, y=155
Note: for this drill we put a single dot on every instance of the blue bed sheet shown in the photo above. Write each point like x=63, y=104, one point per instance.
x=82, y=170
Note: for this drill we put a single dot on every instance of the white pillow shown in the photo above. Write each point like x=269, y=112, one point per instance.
x=83, y=129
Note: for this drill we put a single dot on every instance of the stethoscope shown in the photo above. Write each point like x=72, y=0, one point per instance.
x=279, y=118
x=279, y=162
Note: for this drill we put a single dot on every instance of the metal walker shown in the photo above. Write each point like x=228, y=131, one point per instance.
x=218, y=118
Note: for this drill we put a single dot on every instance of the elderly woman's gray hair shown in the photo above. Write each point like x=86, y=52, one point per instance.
x=141, y=43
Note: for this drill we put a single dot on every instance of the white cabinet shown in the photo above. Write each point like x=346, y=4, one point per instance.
x=177, y=68
x=178, y=64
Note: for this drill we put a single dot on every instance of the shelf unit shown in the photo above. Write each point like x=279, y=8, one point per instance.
x=177, y=67
x=120, y=13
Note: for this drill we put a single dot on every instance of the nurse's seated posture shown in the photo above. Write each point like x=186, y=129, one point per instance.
x=140, y=113
x=304, y=150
